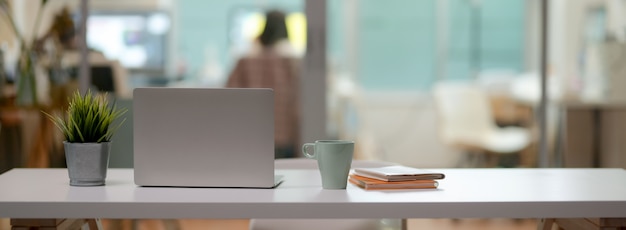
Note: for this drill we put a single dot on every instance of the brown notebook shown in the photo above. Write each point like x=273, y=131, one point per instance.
x=373, y=184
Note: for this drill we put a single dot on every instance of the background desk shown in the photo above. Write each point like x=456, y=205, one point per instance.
x=594, y=134
x=465, y=193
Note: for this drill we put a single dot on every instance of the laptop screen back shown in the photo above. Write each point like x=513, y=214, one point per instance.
x=203, y=137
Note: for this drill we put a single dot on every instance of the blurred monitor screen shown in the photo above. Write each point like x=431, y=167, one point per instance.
x=137, y=40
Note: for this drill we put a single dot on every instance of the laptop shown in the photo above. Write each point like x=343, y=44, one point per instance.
x=204, y=137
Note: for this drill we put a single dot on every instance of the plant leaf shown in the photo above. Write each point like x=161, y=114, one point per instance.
x=89, y=118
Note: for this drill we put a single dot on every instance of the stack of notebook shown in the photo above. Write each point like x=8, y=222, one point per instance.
x=394, y=177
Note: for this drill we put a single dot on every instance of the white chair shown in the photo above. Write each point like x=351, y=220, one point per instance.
x=344, y=224
x=466, y=121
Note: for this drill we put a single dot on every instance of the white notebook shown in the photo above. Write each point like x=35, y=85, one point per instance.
x=398, y=173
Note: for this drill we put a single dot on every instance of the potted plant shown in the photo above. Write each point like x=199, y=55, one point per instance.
x=88, y=126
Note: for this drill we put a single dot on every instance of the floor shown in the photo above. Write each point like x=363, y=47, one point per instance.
x=413, y=224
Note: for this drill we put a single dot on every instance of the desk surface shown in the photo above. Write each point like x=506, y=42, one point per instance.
x=615, y=105
x=465, y=193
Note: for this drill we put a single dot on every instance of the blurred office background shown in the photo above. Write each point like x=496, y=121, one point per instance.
x=428, y=83
x=382, y=63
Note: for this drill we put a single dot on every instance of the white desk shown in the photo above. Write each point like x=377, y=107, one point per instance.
x=465, y=193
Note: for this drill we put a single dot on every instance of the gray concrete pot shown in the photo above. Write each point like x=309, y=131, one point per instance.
x=87, y=163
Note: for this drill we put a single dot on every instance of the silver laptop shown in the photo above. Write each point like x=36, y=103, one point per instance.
x=203, y=137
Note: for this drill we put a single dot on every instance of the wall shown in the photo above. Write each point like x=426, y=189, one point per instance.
x=402, y=31
x=397, y=41
x=394, y=40
x=396, y=44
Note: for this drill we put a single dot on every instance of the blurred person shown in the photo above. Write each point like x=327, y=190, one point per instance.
x=271, y=63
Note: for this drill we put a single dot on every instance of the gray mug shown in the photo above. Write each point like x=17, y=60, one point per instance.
x=334, y=158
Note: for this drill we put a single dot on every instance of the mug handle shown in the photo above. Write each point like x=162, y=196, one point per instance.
x=307, y=154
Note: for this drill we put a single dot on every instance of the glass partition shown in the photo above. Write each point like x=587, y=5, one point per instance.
x=391, y=57
x=384, y=61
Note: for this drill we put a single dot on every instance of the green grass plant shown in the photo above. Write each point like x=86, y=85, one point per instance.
x=88, y=119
